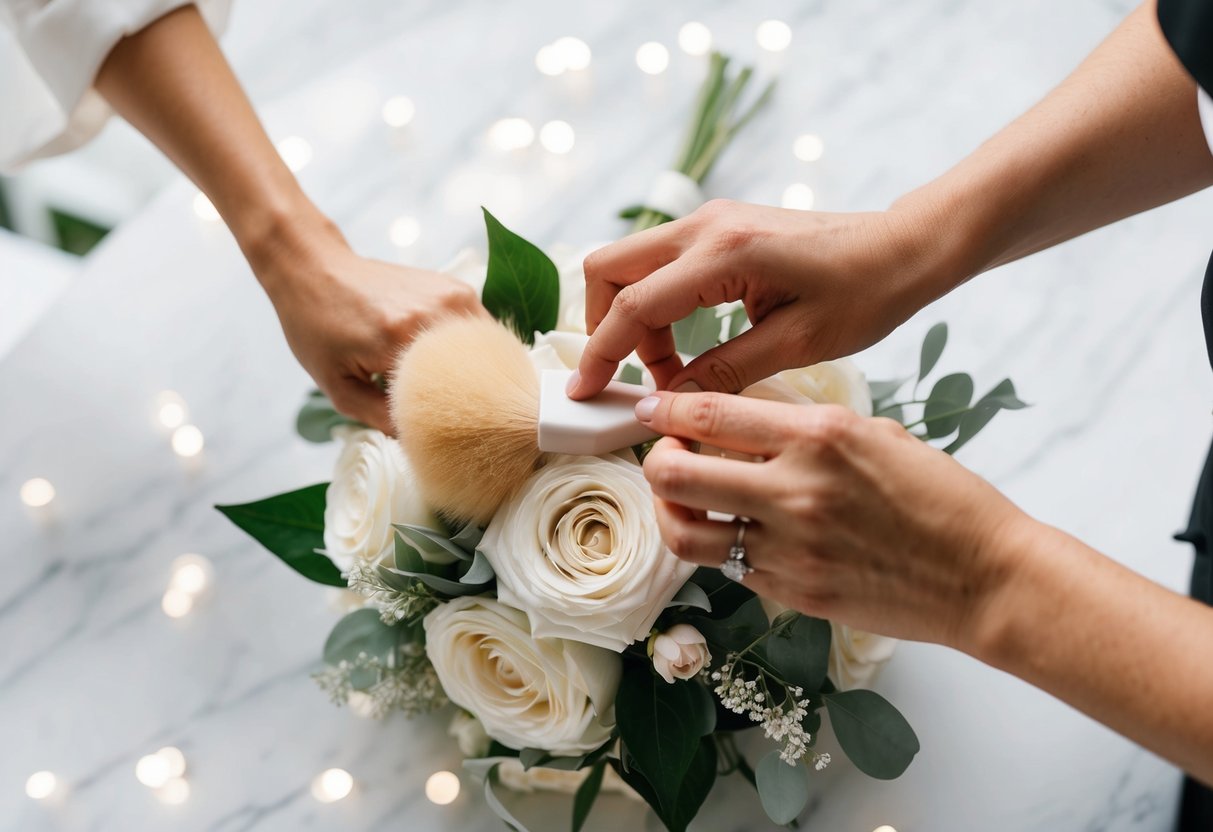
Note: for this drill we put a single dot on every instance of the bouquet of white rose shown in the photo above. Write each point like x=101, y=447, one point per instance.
x=573, y=649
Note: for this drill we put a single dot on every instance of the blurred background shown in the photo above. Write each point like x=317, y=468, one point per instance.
x=144, y=378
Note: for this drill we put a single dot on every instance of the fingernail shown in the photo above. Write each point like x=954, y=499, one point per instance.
x=646, y=407
x=689, y=387
x=573, y=383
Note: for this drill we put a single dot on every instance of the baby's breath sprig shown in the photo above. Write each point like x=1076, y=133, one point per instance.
x=412, y=687
x=396, y=602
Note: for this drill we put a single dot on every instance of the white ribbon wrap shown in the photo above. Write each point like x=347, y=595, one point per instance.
x=674, y=194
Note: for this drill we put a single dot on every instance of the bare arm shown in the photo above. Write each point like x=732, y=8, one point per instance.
x=1119, y=136
x=344, y=316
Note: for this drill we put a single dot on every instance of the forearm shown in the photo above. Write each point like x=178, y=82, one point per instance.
x=1121, y=135
x=1113, y=644
x=172, y=83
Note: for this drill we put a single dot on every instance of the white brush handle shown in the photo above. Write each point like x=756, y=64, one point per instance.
x=605, y=423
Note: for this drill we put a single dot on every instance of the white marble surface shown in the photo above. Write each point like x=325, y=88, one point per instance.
x=1102, y=334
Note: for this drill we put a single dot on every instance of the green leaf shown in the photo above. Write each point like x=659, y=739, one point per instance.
x=661, y=725
x=946, y=405
x=704, y=715
x=361, y=632
x=438, y=583
x=431, y=540
x=799, y=651
x=782, y=788
x=408, y=559
x=1001, y=396
x=468, y=538
x=587, y=793
x=882, y=390
x=872, y=732
x=726, y=596
x=522, y=286
x=291, y=526
x=480, y=572
x=318, y=417
x=691, y=595
x=737, y=631
x=494, y=802
x=738, y=318
x=631, y=374
x=694, y=789
x=531, y=757
x=698, y=332
x=932, y=348
x=631, y=212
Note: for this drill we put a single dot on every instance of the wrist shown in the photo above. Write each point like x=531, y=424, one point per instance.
x=286, y=239
x=1021, y=583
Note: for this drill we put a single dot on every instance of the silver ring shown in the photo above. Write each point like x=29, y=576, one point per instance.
x=735, y=568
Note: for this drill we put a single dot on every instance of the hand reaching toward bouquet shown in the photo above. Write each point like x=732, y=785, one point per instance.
x=816, y=286
x=345, y=318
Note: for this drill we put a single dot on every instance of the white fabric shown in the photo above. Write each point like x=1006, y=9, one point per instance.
x=50, y=52
x=1204, y=106
x=674, y=194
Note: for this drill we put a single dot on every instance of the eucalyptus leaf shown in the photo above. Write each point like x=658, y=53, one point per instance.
x=782, y=788
x=494, y=802
x=444, y=585
x=698, y=332
x=531, y=757
x=522, y=284
x=587, y=793
x=361, y=631
x=738, y=318
x=799, y=651
x=479, y=767
x=480, y=572
x=631, y=212
x=983, y=411
x=947, y=403
x=291, y=526
x=705, y=710
x=691, y=595
x=631, y=374
x=317, y=418
x=932, y=348
x=726, y=596
x=738, y=631
x=874, y=734
x=430, y=539
x=407, y=558
x=468, y=538
x=882, y=390
x=364, y=678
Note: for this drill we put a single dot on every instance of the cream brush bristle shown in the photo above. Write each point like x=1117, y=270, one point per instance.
x=465, y=404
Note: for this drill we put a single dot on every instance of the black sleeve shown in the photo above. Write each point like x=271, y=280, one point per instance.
x=1188, y=27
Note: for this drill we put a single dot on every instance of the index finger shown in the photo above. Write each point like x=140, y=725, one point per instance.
x=732, y=423
x=623, y=263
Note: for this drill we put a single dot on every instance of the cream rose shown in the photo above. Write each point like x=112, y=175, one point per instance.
x=528, y=692
x=539, y=779
x=856, y=657
x=372, y=488
x=578, y=548
x=679, y=653
x=830, y=382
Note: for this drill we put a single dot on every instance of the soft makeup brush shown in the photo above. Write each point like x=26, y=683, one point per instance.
x=475, y=417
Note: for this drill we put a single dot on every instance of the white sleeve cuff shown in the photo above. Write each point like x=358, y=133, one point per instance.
x=50, y=59
x=1204, y=106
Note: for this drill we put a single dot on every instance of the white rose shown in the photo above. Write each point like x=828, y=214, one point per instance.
x=469, y=734
x=679, y=653
x=372, y=488
x=578, y=548
x=546, y=693
x=856, y=657
x=830, y=382
x=540, y=779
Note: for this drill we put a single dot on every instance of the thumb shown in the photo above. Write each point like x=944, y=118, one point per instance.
x=753, y=355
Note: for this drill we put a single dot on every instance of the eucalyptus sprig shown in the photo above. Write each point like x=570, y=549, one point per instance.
x=717, y=118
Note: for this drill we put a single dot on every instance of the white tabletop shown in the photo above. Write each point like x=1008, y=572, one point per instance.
x=1103, y=335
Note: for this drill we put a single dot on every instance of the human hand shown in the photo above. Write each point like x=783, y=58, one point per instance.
x=851, y=519
x=816, y=286
x=346, y=317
